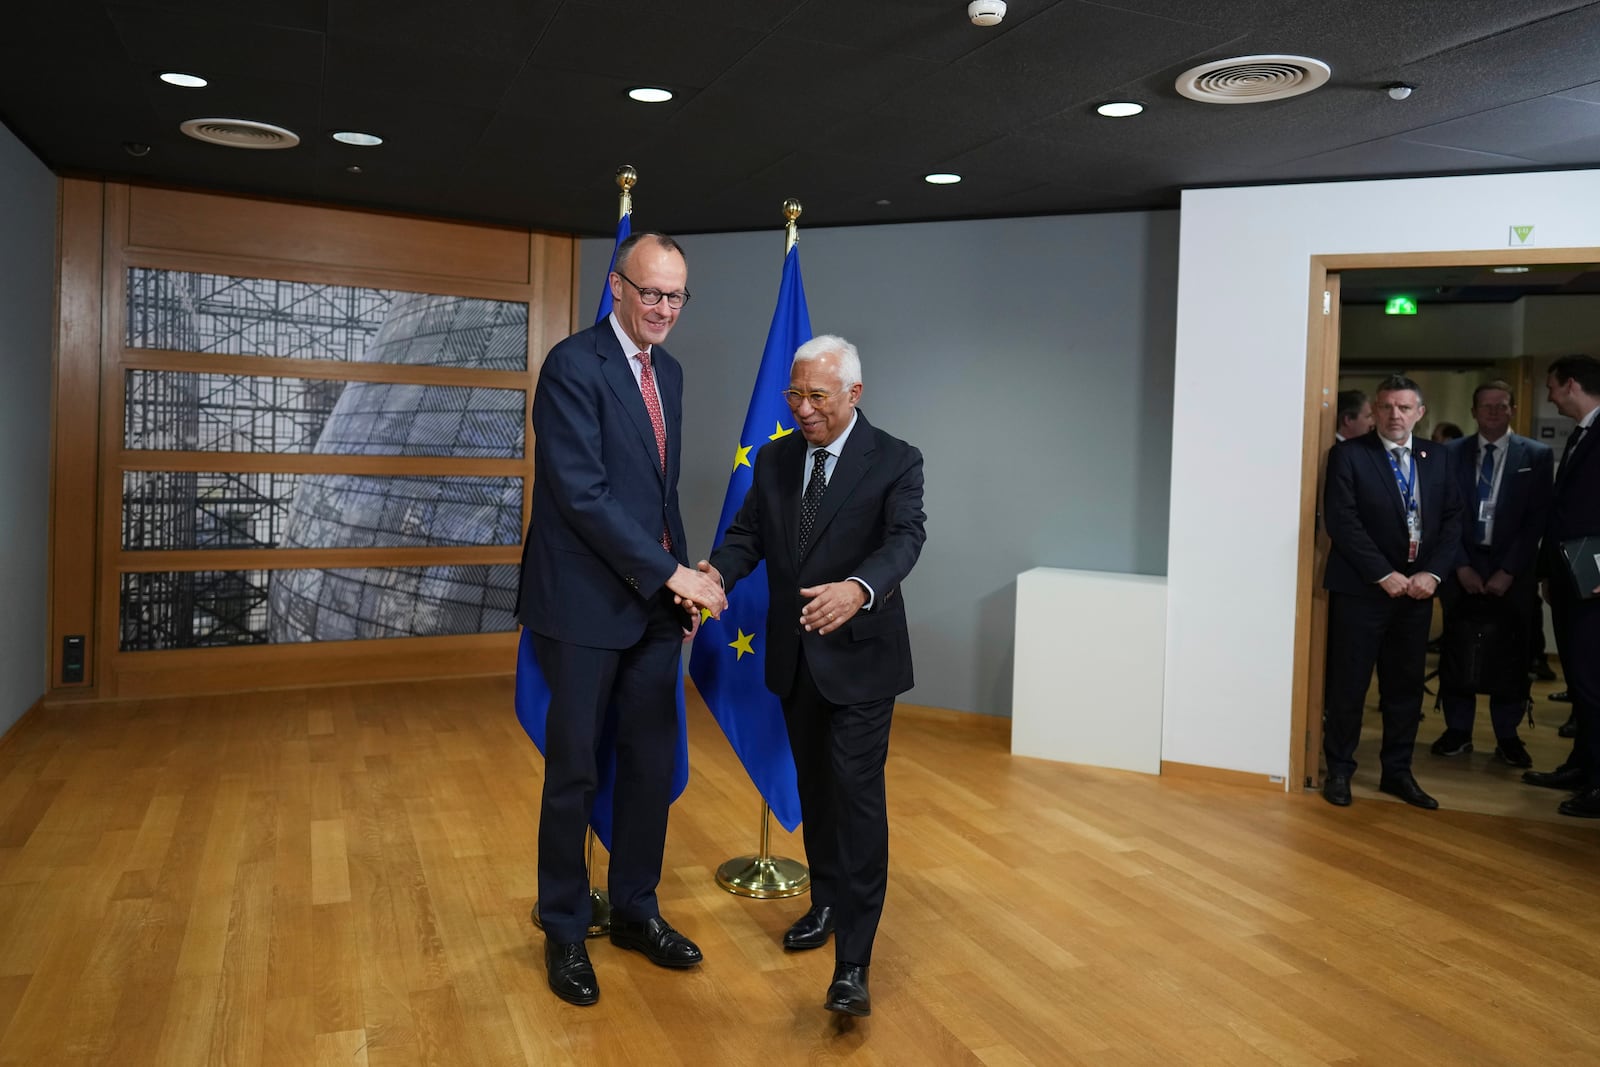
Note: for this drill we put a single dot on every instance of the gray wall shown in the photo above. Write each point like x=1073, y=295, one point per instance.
x=27, y=263
x=1030, y=359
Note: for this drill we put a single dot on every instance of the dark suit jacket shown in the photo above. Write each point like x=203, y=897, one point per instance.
x=1522, y=508
x=869, y=526
x=1575, y=504
x=593, y=555
x=1367, y=521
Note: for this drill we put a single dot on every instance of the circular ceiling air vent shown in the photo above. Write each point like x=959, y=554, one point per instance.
x=1252, y=79
x=240, y=133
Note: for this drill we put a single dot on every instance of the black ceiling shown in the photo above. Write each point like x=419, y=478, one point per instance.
x=514, y=110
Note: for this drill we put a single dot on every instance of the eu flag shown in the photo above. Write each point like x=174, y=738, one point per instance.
x=728, y=663
x=533, y=693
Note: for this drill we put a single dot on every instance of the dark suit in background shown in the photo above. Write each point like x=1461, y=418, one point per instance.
x=1575, y=512
x=837, y=689
x=1521, y=510
x=1366, y=521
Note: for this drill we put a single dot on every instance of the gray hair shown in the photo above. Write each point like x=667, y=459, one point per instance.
x=825, y=344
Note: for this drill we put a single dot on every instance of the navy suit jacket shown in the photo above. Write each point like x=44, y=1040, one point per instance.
x=1575, y=505
x=869, y=526
x=593, y=555
x=1366, y=520
x=1522, y=508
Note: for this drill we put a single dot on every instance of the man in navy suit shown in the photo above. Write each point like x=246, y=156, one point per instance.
x=1574, y=388
x=603, y=577
x=836, y=513
x=1393, y=514
x=1505, y=483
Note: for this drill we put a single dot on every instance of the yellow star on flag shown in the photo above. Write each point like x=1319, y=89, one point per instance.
x=778, y=431
x=741, y=458
x=705, y=613
x=742, y=645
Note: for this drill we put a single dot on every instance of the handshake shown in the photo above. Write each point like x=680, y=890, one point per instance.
x=698, y=591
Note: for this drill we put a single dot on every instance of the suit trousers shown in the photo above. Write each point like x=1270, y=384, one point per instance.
x=629, y=694
x=1391, y=633
x=1577, y=626
x=839, y=754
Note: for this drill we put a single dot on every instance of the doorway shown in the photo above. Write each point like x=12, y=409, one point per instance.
x=1432, y=280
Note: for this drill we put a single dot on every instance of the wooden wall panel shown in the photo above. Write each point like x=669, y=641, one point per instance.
x=74, y=436
x=108, y=228
x=260, y=229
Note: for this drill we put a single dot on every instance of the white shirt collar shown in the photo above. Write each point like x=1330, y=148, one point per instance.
x=629, y=349
x=1390, y=446
x=837, y=447
x=1588, y=420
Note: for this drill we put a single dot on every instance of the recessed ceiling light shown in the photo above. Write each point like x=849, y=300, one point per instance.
x=182, y=80
x=1511, y=270
x=941, y=179
x=1119, y=109
x=646, y=94
x=365, y=140
x=881, y=203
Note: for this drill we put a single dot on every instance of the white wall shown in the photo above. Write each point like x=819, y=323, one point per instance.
x=1243, y=276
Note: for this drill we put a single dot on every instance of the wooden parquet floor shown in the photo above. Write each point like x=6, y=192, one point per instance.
x=344, y=877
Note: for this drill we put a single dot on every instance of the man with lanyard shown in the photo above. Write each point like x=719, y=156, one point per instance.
x=1505, y=480
x=1393, y=513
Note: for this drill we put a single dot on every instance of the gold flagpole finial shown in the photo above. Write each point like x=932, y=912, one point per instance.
x=627, y=177
x=791, y=215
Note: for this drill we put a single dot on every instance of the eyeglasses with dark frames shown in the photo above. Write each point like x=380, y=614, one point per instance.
x=652, y=297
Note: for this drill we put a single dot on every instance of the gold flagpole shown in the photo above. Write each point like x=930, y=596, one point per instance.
x=599, y=899
x=765, y=876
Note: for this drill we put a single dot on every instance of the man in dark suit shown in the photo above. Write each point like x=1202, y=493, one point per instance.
x=1574, y=388
x=1354, y=415
x=603, y=577
x=836, y=513
x=1505, y=483
x=1393, y=515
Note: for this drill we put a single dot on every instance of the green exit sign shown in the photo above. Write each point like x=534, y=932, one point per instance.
x=1400, y=305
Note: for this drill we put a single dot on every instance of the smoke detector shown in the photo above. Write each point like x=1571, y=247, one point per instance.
x=986, y=12
x=1252, y=79
x=240, y=133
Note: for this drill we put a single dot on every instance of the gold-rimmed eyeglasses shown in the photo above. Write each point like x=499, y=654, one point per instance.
x=817, y=399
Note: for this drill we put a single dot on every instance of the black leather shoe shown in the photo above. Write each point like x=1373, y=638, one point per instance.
x=1540, y=669
x=1570, y=727
x=660, y=943
x=1512, y=752
x=570, y=973
x=1406, y=788
x=811, y=930
x=1584, y=805
x=1563, y=697
x=1336, y=790
x=847, y=993
x=1565, y=777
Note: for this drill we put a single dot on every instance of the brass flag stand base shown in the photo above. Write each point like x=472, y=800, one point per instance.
x=764, y=876
x=599, y=901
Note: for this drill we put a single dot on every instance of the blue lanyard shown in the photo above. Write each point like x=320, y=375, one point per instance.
x=1407, y=485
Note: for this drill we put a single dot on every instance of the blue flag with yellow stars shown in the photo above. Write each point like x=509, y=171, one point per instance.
x=533, y=692
x=728, y=663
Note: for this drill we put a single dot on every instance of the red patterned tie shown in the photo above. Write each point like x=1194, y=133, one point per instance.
x=652, y=404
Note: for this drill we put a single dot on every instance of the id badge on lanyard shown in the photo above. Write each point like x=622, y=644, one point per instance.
x=1408, y=496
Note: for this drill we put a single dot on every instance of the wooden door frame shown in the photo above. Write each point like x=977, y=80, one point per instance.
x=1318, y=424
